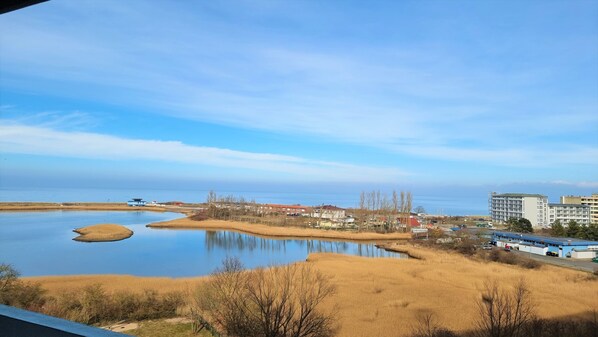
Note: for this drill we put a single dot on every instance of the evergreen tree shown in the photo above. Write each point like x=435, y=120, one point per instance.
x=524, y=226
x=512, y=224
x=573, y=229
x=558, y=229
x=592, y=232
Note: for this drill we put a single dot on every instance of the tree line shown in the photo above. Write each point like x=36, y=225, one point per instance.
x=575, y=230
x=381, y=209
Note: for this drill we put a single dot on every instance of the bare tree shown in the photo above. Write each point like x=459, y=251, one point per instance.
x=211, y=197
x=8, y=276
x=276, y=302
x=427, y=326
x=395, y=201
x=364, y=210
x=503, y=313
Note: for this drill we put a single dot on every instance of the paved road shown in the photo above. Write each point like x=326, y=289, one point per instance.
x=585, y=265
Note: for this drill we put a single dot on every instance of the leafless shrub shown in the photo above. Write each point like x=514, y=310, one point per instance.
x=17, y=293
x=503, y=313
x=277, y=302
x=200, y=216
x=576, y=327
x=529, y=263
x=497, y=255
x=92, y=305
x=427, y=326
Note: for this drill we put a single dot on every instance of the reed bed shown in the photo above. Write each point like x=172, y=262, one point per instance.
x=386, y=296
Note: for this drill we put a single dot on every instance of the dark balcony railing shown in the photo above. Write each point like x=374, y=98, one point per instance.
x=22, y=323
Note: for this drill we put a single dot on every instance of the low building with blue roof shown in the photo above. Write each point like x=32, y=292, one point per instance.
x=136, y=202
x=537, y=244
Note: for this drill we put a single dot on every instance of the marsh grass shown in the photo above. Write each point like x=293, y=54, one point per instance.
x=161, y=328
x=93, y=305
x=443, y=283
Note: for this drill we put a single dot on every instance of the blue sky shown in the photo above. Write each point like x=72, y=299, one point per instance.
x=493, y=94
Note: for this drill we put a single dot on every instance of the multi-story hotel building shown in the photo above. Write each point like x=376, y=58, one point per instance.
x=567, y=212
x=533, y=207
x=591, y=201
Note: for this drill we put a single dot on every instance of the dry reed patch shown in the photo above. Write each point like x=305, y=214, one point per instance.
x=277, y=231
x=103, y=233
x=112, y=283
x=449, y=290
x=438, y=289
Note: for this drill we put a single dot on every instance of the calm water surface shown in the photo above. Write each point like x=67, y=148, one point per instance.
x=40, y=243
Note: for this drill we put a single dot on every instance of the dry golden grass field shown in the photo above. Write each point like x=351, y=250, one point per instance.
x=102, y=233
x=278, y=232
x=384, y=296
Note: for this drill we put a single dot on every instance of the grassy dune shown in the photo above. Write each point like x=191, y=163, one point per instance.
x=273, y=231
x=103, y=233
x=383, y=297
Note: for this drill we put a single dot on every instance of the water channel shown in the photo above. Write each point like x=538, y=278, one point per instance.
x=40, y=243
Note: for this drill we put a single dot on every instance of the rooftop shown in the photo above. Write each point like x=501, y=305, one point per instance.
x=286, y=206
x=518, y=195
x=570, y=205
x=547, y=239
x=330, y=208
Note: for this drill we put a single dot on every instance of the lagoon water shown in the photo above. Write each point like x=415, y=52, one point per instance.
x=40, y=243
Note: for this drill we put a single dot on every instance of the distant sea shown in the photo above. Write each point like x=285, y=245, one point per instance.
x=442, y=205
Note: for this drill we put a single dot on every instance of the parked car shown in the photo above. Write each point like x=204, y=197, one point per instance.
x=486, y=246
x=595, y=259
x=549, y=253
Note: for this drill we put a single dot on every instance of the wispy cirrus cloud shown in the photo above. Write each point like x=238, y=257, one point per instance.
x=482, y=96
x=582, y=184
x=514, y=157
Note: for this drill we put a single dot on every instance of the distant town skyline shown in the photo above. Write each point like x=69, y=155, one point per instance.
x=460, y=95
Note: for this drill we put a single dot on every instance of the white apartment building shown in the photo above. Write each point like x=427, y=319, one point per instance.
x=328, y=212
x=568, y=212
x=591, y=201
x=533, y=207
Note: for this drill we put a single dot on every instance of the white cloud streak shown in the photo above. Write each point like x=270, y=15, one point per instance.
x=22, y=139
x=193, y=66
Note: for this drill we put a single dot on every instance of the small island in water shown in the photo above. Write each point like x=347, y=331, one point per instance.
x=102, y=233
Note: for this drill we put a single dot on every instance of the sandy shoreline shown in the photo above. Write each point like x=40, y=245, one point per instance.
x=277, y=232
x=75, y=206
x=186, y=223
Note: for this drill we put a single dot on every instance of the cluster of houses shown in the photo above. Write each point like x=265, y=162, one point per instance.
x=329, y=216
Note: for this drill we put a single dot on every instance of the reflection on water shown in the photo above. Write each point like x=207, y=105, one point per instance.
x=40, y=243
x=233, y=241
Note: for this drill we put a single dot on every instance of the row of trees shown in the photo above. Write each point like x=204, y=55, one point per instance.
x=374, y=205
x=213, y=198
x=572, y=230
x=575, y=230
